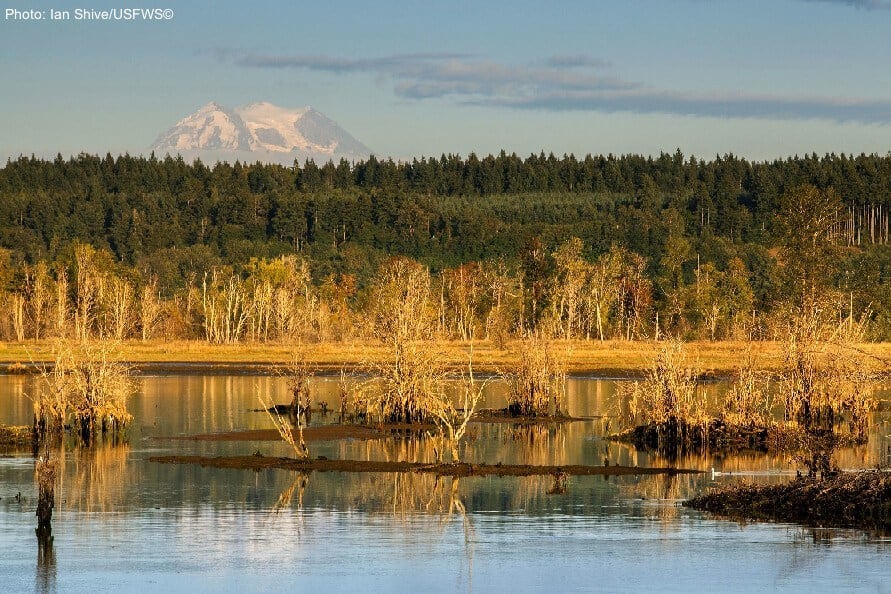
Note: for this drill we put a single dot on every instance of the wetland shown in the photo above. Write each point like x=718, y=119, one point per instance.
x=123, y=519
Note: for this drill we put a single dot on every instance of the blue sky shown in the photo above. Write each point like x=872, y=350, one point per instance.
x=761, y=79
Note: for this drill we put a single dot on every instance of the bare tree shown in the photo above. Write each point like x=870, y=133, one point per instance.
x=225, y=307
x=17, y=311
x=120, y=297
x=570, y=284
x=37, y=287
x=62, y=311
x=149, y=308
x=452, y=420
x=87, y=289
x=261, y=309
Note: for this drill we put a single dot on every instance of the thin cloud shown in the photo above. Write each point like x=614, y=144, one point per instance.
x=427, y=75
x=390, y=64
x=576, y=61
x=562, y=83
x=862, y=4
x=717, y=105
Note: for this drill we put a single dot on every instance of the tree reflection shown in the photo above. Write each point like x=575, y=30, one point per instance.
x=45, y=576
x=298, y=487
x=97, y=478
x=45, y=476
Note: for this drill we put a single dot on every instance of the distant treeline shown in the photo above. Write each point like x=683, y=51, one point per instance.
x=677, y=227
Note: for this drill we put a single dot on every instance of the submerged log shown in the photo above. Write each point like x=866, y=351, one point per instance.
x=440, y=469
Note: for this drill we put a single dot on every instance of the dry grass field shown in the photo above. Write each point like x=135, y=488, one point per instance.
x=611, y=358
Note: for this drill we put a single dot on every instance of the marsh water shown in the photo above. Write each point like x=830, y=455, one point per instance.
x=123, y=523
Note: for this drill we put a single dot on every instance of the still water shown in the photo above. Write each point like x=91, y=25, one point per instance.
x=123, y=524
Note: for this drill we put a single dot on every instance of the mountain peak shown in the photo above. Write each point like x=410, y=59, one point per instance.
x=280, y=133
x=211, y=127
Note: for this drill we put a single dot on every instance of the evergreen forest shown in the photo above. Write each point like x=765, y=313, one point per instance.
x=602, y=247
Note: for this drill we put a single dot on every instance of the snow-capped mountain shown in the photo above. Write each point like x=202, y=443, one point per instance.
x=212, y=127
x=261, y=131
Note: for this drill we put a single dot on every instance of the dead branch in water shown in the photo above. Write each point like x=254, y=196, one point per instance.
x=298, y=445
x=45, y=473
x=459, y=469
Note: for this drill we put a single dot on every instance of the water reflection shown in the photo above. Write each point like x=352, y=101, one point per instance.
x=45, y=575
x=298, y=486
x=105, y=479
x=96, y=479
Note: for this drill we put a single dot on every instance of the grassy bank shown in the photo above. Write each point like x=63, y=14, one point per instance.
x=610, y=358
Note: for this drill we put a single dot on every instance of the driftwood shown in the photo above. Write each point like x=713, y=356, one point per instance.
x=440, y=469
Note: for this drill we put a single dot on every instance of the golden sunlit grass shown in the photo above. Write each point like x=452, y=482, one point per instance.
x=620, y=358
